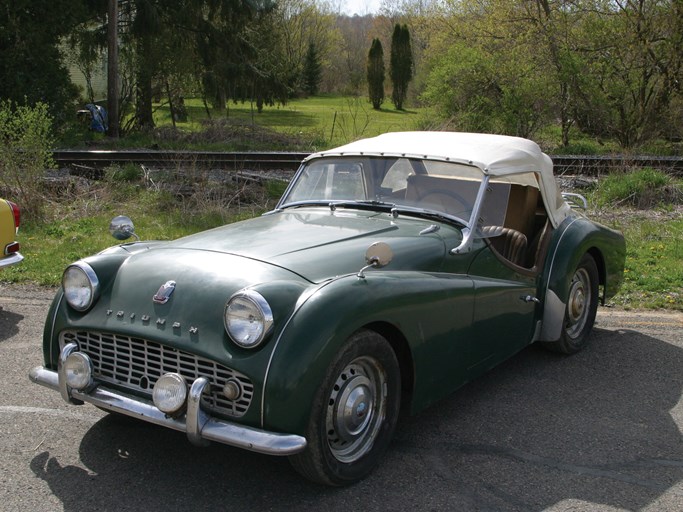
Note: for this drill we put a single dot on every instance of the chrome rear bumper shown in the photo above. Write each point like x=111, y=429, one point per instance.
x=199, y=426
x=12, y=259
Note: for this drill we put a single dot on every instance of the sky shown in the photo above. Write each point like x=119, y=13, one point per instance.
x=361, y=7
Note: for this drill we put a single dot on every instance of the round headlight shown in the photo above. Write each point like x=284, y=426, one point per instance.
x=78, y=371
x=169, y=393
x=81, y=286
x=248, y=318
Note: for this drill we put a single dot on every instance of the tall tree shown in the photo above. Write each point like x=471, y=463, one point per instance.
x=31, y=66
x=145, y=28
x=113, y=67
x=634, y=68
x=299, y=24
x=376, y=74
x=312, y=70
x=401, y=70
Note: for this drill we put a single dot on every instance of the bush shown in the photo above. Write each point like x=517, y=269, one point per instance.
x=642, y=188
x=25, y=153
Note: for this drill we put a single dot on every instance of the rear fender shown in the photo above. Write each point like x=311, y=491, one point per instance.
x=579, y=237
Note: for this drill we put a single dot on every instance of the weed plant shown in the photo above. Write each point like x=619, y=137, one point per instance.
x=647, y=206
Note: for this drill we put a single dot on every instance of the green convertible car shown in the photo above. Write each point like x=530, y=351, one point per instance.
x=393, y=270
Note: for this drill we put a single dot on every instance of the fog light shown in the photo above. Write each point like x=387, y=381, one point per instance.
x=232, y=389
x=78, y=371
x=170, y=393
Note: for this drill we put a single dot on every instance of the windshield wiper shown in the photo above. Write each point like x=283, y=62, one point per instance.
x=363, y=205
x=299, y=204
x=428, y=214
x=375, y=205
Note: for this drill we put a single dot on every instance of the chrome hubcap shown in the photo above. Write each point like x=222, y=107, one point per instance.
x=578, y=303
x=355, y=409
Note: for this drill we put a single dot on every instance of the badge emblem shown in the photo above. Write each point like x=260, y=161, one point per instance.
x=164, y=293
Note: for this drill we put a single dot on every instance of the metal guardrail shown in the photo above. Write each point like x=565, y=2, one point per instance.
x=263, y=161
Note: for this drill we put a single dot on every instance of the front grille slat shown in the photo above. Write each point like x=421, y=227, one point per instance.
x=137, y=364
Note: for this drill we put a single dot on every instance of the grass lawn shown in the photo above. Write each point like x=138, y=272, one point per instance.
x=320, y=121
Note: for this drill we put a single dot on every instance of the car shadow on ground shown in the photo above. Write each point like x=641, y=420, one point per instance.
x=9, y=322
x=541, y=431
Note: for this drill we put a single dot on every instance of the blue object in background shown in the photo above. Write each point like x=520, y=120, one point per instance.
x=99, y=122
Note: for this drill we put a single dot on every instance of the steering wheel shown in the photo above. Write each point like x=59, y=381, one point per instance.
x=446, y=201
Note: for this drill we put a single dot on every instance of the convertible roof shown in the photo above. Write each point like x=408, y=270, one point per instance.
x=495, y=155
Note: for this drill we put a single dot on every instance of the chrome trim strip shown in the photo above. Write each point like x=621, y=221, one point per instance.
x=12, y=259
x=213, y=429
x=54, y=320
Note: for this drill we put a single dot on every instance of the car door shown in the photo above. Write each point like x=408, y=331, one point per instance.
x=504, y=311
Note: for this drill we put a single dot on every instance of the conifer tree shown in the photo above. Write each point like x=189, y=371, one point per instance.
x=401, y=70
x=376, y=74
x=312, y=71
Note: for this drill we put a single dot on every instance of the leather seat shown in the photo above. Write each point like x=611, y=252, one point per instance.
x=509, y=243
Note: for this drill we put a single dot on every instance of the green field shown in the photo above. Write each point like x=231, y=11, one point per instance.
x=302, y=124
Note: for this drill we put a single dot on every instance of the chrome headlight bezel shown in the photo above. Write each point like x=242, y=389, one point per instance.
x=80, y=276
x=248, y=318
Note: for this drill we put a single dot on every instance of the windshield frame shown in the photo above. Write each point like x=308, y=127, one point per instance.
x=382, y=179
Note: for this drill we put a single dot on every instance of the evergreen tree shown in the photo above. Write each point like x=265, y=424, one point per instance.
x=376, y=74
x=312, y=71
x=31, y=65
x=401, y=70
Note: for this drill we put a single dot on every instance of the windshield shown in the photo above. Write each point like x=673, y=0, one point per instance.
x=434, y=186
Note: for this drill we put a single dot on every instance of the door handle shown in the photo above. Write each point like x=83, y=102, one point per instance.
x=530, y=298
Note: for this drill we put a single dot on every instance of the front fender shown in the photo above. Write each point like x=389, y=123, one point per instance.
x=426, y=308
x=579, y=236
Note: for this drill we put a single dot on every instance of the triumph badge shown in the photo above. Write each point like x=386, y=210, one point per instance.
x=164, y=292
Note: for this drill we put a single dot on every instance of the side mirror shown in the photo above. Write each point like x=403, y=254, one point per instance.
x=122, y=228
x=378, y=255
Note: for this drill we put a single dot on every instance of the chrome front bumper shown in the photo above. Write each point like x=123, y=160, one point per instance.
x=199, y=426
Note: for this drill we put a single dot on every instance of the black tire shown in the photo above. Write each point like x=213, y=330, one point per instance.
x=582, y=305
x=352, y=419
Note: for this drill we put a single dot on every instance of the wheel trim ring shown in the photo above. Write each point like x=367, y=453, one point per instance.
x=578, y=303
x=364, y=379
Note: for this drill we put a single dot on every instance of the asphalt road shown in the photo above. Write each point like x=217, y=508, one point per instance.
x=602, y=430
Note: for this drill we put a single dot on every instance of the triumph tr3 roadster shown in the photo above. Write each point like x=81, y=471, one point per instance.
x=392, y=271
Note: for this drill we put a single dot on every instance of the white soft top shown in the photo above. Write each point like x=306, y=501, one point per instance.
x=495, y=155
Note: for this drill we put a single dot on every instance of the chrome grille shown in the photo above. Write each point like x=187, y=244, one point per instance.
x=137, y=364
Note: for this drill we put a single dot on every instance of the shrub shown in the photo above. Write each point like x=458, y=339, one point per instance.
x=25, y=153
x=642, y=188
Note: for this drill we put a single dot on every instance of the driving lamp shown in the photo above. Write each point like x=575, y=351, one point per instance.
x=78, y=371
x=169, y=393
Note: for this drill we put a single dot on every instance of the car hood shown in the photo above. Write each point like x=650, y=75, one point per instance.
x=318, y=244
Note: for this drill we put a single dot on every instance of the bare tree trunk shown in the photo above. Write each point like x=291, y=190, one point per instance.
x=113, y=69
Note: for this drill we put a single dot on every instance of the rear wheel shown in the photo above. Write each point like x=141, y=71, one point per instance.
x=354, y=413
x=582, y=305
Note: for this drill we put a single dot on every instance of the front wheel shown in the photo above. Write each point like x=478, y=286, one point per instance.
x=582, y=305
x=354, y=412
